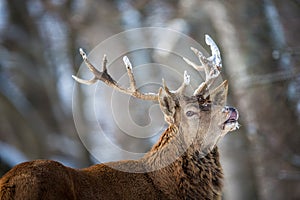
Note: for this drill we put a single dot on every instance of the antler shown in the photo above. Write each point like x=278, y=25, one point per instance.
x=108, y=80
x=132, y=90
x=212, y=65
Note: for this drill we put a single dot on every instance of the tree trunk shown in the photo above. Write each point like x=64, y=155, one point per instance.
x=270, y=122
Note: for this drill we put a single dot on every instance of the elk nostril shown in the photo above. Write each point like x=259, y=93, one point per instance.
x=226, y=109
x=231, y=108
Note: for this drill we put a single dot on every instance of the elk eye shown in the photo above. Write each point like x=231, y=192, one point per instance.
x=190, y=113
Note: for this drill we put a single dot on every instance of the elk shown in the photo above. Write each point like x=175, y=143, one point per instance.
x=183, y=164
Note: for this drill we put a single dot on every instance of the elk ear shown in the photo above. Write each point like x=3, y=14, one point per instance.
x=219, y=95
x=167, y=104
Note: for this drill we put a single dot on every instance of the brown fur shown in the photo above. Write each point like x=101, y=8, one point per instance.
x=189, y=177
x=184, y=164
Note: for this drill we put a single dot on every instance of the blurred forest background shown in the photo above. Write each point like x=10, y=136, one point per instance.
x=260, y=45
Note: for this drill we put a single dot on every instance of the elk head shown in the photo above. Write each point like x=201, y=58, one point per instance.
x=203, y=117
x=200, y=119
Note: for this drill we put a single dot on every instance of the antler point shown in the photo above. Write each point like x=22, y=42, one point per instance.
x=187, y=78
x=82, y=53
x=127, y=62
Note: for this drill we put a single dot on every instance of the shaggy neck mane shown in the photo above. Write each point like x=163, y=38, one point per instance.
x=190, y=173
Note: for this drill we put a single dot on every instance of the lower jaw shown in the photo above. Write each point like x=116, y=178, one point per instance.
x=230, y=126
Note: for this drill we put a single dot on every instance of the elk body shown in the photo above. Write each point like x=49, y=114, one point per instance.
x=183, y=164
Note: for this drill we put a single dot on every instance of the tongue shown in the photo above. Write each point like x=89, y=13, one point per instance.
x=233, y=116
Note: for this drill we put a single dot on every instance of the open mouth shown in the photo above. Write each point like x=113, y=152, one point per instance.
x=231, y=122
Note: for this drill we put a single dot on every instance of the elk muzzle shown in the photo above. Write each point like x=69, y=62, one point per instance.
x=232, y=116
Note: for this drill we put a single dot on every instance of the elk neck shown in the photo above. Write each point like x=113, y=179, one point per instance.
x=173, y=145
x=174, y=165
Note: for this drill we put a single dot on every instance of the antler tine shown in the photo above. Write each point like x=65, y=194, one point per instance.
x=130, y=73
x=108, y=80
x=186, y=82
x=91, y=68
x=212, y=65
x=216, y=55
